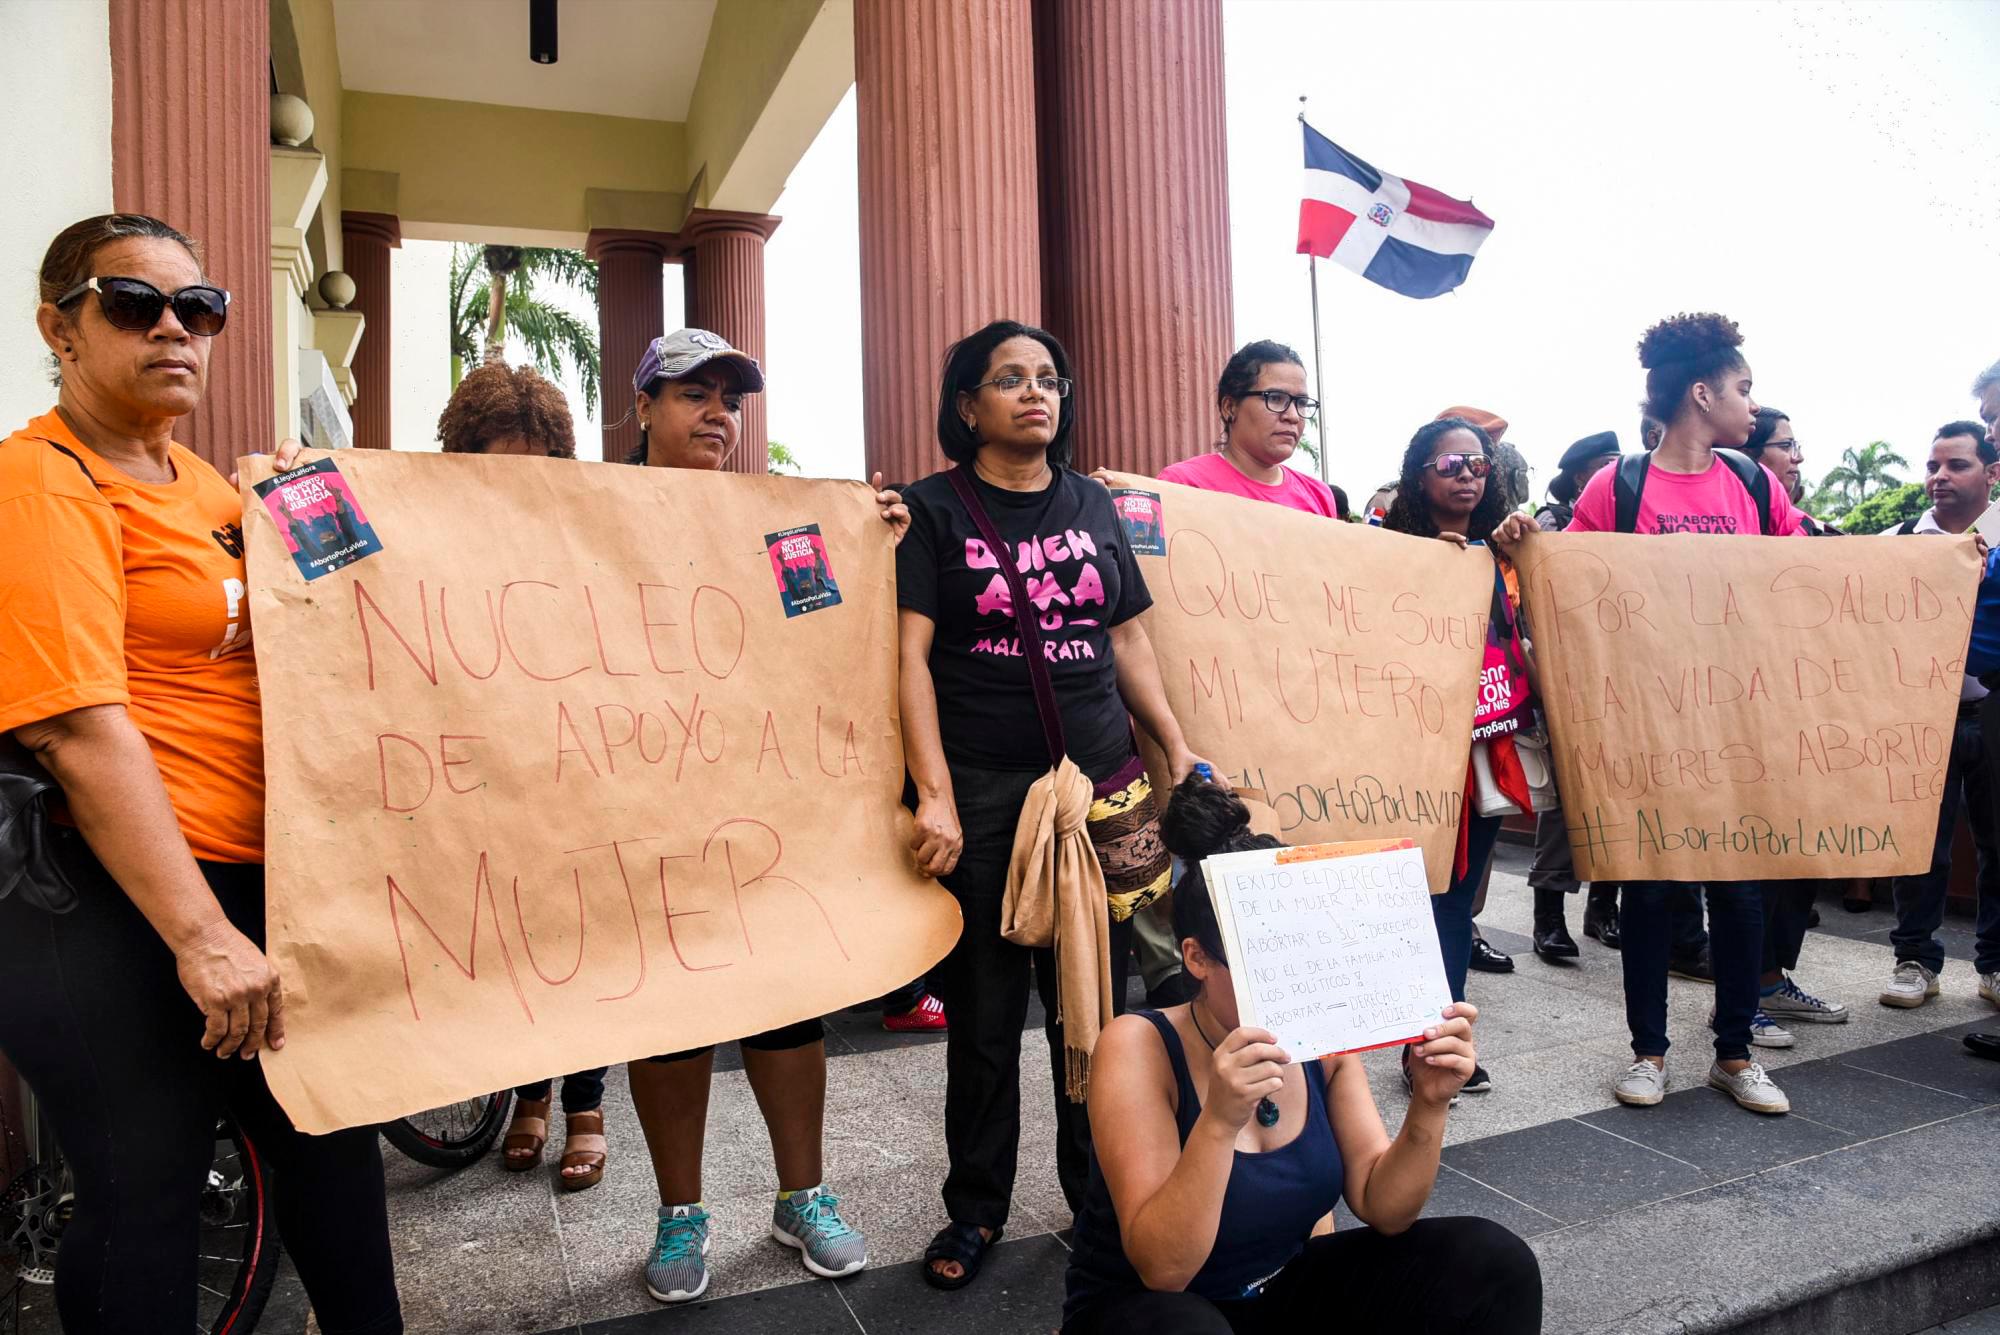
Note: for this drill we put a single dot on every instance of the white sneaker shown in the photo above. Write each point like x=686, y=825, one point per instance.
x=1764, y=1033
x=1989, y=987
x=1910, y=986
x=1750, y=1087
x=1792, y=1002
x=1642, y=1085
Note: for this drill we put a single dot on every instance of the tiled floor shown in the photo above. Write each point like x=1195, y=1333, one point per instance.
x=1548, y=1153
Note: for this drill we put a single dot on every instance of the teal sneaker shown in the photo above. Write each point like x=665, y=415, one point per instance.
x=678, y=1272
x=810, y=1221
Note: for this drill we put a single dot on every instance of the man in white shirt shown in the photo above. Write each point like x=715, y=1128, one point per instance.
x=1959, y=476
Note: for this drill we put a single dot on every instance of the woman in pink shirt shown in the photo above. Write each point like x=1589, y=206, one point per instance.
x=1264, y=407
x=1699, y=385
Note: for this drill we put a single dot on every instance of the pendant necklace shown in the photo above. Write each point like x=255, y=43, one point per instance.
x=1267, y=1108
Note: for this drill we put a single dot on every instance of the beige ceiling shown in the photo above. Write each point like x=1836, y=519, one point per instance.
x=616, y=57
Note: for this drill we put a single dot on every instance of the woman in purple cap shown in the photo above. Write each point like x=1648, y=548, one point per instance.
x=690, y=386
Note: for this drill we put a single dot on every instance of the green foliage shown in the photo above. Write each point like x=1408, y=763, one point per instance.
x=782, y=460
x=1891, y=505
x=553, y=337
x=1862, y=473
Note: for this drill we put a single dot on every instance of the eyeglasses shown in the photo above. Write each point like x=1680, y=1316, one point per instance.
x=1451, y=465
x=1277, y=400
x=1048, y=384
x=134, y=305
x=1791, y=447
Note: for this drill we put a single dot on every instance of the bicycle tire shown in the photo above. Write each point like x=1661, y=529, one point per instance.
x=239, y=1228
x=463, y=1140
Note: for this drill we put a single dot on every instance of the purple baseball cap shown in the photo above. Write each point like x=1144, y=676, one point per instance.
x=677, y=355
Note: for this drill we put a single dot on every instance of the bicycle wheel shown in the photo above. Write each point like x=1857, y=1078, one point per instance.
x=454, y=1135
x=239, y=1238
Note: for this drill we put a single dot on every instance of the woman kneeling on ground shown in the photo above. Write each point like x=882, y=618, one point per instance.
x=1202, y=1206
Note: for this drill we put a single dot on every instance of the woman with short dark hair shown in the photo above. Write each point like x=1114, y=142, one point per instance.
x=136, y=1011
x=979, y=742
x=1220, y=1154
x=1262, y=401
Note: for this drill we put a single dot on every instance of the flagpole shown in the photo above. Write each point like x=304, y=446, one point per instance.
x=1319, y=367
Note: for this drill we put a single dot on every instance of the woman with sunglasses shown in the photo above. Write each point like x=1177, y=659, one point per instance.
x=689, y=388
x=1264, y=407
x=1446, y=492
x=976, y=742
x=126, y=672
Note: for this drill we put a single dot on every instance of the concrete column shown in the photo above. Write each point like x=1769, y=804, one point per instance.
x=629, y=316
x=366, y=240
x=190, y=144
x=298, y=180
x=949, y=232
x=728, y=299
x=1133, y=133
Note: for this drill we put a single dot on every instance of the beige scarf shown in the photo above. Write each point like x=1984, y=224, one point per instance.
x=1056, y=898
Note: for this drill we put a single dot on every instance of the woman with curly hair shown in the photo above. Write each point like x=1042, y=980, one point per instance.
x=1446, y=490
x=1698, y=383
x=502, y=409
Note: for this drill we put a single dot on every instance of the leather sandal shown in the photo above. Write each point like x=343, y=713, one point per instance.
x=584, y=1147
x=963, y=1243
x=521, y=1149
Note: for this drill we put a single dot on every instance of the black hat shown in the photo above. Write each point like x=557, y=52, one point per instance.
x=1590, y=447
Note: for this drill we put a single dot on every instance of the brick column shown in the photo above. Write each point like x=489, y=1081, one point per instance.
x=1136, y=143
x=191, y=144
x=949, y=235
x=630, y=315
x=366, y=240
x=728, y=299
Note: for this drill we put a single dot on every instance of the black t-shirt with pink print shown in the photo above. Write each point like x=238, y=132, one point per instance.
x=1080, y=572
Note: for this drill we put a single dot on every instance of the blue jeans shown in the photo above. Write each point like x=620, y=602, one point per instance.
x=1736, y=948
x=1920, y=899
x=582, y=1091
x=1452, y=910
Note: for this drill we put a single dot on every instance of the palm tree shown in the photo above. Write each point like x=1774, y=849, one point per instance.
x=493, y=295
x=1864, y=472
x=781, y=459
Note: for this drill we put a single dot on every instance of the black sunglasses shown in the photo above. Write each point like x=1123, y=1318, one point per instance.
x=135, y=305
x=1451, y=465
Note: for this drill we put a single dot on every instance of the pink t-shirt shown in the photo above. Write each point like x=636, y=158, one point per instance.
x=1212, y=472
x=1711, y=502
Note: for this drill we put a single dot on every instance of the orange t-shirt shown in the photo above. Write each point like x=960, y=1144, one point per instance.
x=132, y=593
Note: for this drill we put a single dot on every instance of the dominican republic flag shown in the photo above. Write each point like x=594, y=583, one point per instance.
x=1407, y=237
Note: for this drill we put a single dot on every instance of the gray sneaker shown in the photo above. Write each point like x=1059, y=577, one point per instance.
x=1642, y=1085
x=1910, y=986
x=1989, y=986
x=1792, y=1002
x=810, y=1222
x=678, y=1271
x=1750, y=1087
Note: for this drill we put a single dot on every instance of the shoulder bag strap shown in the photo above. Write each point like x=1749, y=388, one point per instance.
x=1024, y=611
x=1755, y=480
x=1628, y=484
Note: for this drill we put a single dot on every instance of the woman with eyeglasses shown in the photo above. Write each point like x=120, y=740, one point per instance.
x=976, y=741
x=1264, y=407
x=126, y=671
x=1446, y=492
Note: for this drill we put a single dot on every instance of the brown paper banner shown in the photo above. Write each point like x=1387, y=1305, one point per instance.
x=555, y=781
x=1757, y=708
x=1330, y=665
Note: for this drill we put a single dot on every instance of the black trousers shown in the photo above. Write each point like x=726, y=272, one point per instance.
x=582, y=1091
x=983, y=983
x=1441, y=1277
x=93, y=1016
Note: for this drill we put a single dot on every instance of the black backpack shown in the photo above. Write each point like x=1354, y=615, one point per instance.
x=1631, y=481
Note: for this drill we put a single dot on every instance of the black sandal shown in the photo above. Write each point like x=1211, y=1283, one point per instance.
x=963, y=1243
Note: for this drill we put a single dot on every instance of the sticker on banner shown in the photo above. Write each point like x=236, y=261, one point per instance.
x=805, y=575
x=319, y=519
x=1144, y=518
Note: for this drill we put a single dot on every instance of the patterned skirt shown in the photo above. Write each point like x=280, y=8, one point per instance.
x=1124, y=826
